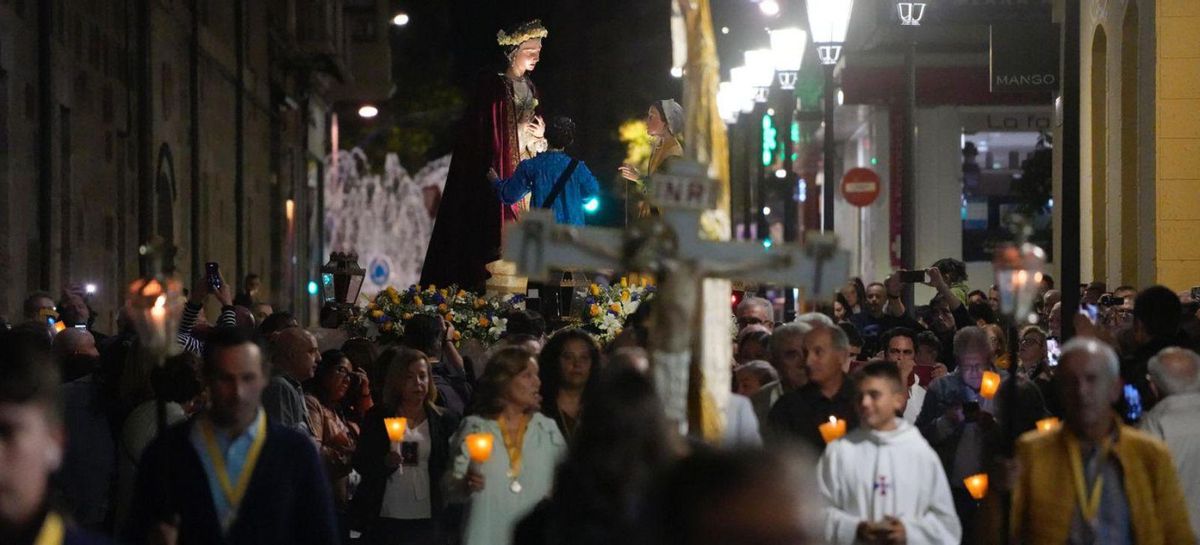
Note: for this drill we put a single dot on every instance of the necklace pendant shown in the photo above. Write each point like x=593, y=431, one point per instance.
x=515, y=487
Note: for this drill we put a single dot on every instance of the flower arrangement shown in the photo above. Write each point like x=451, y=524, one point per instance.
x=606, y=308
x=526, y=31
x=473, y=317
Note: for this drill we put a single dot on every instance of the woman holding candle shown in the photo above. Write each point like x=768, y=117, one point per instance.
x=568, y=367
x=400, y=498
x=336, y=438
x=527, y=445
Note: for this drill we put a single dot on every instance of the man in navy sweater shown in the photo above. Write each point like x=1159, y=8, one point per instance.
x=227, y=475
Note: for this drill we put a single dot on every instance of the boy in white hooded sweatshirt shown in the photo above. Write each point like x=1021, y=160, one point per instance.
x=882, y=483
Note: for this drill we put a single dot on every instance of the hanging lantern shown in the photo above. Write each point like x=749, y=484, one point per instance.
x=154, y=304
x=341, y=281
x=1019, y=270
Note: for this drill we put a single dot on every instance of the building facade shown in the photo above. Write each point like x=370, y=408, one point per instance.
x=205, y=124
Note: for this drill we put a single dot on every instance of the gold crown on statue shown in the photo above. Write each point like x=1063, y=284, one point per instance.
x=527, y=31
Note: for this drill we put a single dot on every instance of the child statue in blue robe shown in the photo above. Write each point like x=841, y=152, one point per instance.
x=579, y=194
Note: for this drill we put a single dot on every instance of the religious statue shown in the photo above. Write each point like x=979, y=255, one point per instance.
x=664, y=123
x=502, y=126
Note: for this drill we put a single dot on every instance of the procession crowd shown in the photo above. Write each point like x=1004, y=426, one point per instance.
x=867, y=422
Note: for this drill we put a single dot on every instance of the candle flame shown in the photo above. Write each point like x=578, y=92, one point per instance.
x=1047, y=424
x=479, y=446
x=977, y=485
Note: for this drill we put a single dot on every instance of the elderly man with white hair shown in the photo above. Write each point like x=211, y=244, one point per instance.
x=1175, y=376
x=755, y=311
x=1095, y=480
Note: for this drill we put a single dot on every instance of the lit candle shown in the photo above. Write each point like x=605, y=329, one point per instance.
x=1048, y=424
x=989, y=384
x=396, y=428
x=833, y=430
x=977, y=485
x=479, y=446
x=158, y=313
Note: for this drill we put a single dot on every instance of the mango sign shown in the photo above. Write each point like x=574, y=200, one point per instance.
x=860, y=186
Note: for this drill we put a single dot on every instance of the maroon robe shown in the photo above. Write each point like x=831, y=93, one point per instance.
x=467, y=234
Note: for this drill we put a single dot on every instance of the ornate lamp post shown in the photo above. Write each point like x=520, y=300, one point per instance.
x=760, y=64
x=828, y=22
x=341, y=281
x=787, y=52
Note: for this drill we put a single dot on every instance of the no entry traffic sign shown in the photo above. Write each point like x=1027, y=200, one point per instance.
x=860, y=186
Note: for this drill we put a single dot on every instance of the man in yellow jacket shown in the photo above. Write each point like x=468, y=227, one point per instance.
x=1095, y=480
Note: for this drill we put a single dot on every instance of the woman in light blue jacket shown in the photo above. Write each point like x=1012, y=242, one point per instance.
x=526, y=448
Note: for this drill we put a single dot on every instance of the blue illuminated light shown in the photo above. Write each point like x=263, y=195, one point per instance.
x=312, y=287
x=591, y=205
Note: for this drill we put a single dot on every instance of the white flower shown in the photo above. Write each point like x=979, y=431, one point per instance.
x=629, y=307
x=610, y=323
x=498, y=327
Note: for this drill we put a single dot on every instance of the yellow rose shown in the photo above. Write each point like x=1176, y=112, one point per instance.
x=387, y=326
x=615, y=308
x=450, y=316
x=407, y=316
x=480, y=303
x=376, y=313
x=443, y=308
x=595, y=290
x=395, y=299
x=432, y=288
x=461, y=293
x=624, y=282
x=624, y=295
x=444, y=292
x=372, y=306
x=484, y=322
x=417, y=301
x=457, y=336
x=595, y=310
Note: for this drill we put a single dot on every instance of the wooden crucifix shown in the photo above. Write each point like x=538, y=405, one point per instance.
x=689, y=316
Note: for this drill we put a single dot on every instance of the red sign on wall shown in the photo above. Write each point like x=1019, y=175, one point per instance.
x=860, y=186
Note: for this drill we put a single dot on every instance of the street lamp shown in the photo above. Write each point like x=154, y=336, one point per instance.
x=828, y=22
x=761, y=72
x=787, y=50
x=910, y=13
x=739, y=78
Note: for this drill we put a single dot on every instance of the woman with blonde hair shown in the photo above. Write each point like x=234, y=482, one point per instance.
x=400, y=498
x=526, y=448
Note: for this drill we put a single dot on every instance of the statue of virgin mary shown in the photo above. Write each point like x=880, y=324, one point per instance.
x=502, y=126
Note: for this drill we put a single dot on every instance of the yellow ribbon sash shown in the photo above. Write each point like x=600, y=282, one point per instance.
x=514, y=445
x=234, y=494
x=1089, y=504
x=53, y=531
